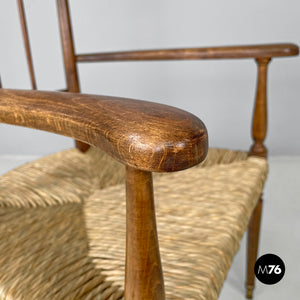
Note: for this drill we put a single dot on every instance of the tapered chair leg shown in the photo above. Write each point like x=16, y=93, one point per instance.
x=253, y=238
x=143, y=271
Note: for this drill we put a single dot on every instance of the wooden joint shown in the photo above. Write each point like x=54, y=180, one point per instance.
x=263, y=61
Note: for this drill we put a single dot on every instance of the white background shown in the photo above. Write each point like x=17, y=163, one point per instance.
x=220, y=92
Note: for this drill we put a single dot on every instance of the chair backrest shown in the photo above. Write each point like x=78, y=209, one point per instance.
x=262, y=54
x=71, y=59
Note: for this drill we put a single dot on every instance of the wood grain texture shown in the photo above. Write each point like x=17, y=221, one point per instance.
x=230, y=52
x=259, y=123
x=141, y=134
x=26, y=43
x=143, y=275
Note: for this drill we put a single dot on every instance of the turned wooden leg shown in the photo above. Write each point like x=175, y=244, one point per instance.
x=143, y=273
x=259, y=130
x=253, y=238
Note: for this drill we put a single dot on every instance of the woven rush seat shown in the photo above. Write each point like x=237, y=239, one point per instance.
x=62, y=225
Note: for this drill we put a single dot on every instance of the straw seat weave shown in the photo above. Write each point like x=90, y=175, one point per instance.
x=62, y=225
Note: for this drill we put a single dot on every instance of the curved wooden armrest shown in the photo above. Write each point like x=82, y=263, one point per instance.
x=140, y=134
x=248, y=51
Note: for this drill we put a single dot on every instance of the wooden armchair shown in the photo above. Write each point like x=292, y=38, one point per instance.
x=62, y=225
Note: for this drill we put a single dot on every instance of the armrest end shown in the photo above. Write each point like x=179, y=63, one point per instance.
x=140, y=134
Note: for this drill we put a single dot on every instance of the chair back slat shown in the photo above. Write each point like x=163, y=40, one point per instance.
x=69, y=55
x=26, y=43
x=68, y=46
